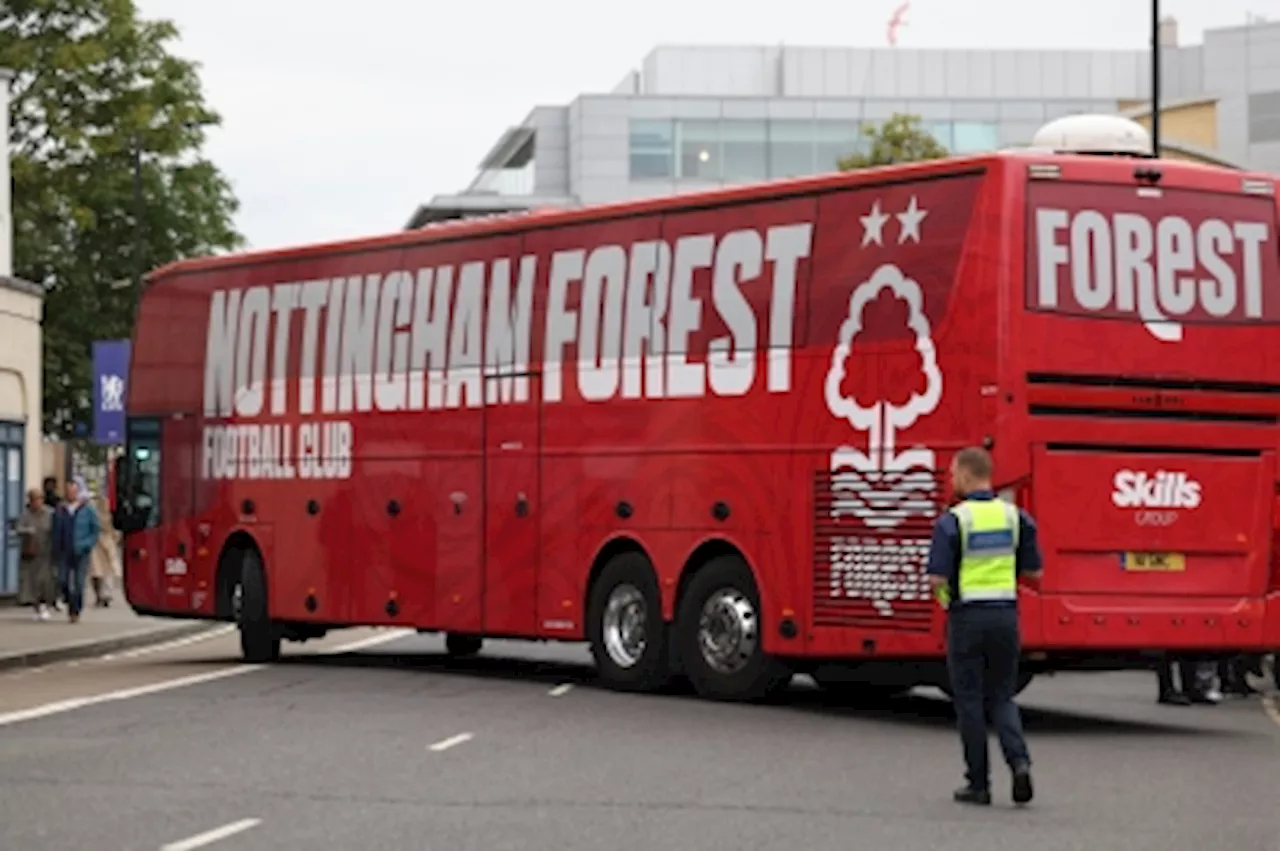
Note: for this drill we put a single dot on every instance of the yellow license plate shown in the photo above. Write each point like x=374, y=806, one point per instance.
x=1155, y=562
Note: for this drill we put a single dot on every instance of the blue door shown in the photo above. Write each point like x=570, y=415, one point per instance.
x=11, y=475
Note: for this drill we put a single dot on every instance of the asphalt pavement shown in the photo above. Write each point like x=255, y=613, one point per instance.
x=391, y=746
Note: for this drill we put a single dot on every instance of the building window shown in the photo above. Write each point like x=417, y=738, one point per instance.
x=836, y=140
x=974, y=137
x=791, y=148
x=652, y=149
x=1264, y=117
x=943, y=132
x=700, y=153
x=745, y=150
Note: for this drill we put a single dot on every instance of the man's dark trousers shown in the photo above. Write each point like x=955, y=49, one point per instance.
x=983, y=647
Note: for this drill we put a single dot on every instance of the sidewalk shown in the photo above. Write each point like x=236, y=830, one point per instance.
x=24, y=641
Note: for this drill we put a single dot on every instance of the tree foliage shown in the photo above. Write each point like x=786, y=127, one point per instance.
x=108, y=178
x=901, y=139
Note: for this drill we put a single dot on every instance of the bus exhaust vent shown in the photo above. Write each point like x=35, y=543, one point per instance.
x=870, y=549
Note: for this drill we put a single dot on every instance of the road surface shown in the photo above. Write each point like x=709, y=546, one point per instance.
x=390, y=746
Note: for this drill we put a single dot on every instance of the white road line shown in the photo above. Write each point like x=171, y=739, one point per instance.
x=371, y=641
x=450, y=742
x=211, y=836
x=181, y=682
x=561, y=690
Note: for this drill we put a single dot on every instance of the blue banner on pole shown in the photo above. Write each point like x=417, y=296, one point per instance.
x=110, y=374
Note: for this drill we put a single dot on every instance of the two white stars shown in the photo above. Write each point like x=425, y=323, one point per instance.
x=910, y=219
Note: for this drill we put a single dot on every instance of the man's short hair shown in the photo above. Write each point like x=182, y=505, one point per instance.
x=975, y=461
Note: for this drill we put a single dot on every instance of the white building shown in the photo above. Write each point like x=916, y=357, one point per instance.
x=21, y=393
x=700, y=117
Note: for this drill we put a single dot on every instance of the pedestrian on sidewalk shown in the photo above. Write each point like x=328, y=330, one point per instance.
x=53, y=500
x=104, y=563
x=75, y=534
x=38, y=577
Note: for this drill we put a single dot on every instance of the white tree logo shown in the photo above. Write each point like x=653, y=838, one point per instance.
x=883, y=486
x=112, y=387
x=882, y=420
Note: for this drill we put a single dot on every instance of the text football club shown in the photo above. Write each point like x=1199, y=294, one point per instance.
x=461, y=336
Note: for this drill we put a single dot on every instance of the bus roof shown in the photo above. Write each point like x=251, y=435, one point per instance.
x=516, y=222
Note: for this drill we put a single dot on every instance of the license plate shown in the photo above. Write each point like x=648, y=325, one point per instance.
x=1155, y=562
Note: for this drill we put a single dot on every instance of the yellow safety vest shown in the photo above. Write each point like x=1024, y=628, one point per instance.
x=988, y=547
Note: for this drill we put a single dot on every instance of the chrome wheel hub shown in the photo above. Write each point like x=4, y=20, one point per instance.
x=625, y=616
x=728, y=631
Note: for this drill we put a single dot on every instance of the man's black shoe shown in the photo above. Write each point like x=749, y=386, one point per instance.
x=1022, y=789
x=969, y=795
x=1174, y=698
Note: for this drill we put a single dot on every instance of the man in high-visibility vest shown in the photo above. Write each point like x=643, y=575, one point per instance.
x=980, y=547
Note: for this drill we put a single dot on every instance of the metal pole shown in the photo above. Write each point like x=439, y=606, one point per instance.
x=1155, y=78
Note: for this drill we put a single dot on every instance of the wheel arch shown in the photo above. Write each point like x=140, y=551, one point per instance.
x=703, y=553
x=228, y=572
x=614, y=546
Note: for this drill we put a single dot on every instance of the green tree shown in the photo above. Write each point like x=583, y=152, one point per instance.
x=108, y=177
x=901, y=139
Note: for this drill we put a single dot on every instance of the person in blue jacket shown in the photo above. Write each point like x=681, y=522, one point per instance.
x=76, y=528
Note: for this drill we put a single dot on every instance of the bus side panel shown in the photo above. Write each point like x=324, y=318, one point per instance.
x=597, y=418
x=513, y=506
x=727, y=450
x=369, y=571
x=421, y=506
x=902, y=334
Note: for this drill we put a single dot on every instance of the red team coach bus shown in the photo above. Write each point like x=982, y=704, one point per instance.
x=709, y=434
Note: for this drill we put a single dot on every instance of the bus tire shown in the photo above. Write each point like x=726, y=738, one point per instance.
x=625, y=626
x=460, y=646
x=259, y=638
x=720, y=635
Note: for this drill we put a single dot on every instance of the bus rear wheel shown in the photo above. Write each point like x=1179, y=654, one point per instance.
x=259, y=637
x=720, y=635
x=625, y=626
x=460, y=646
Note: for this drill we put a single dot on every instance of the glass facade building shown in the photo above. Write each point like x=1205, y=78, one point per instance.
x=742, y=150
x=692, y=118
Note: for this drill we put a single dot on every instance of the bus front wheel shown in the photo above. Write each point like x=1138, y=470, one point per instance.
x=259, y=638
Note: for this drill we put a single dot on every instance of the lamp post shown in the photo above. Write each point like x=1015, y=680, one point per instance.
x=1155, y=78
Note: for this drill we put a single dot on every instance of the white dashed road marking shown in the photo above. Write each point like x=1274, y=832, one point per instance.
x=212, y=836
x=181, y=682
x=560, y=690
x=452, y=741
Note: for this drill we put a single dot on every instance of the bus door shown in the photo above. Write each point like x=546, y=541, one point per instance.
x=513, y=442
x=186, y=585
x=137, y=515
x=154, y=489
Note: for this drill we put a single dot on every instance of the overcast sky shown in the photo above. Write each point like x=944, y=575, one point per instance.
x=340, y=117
